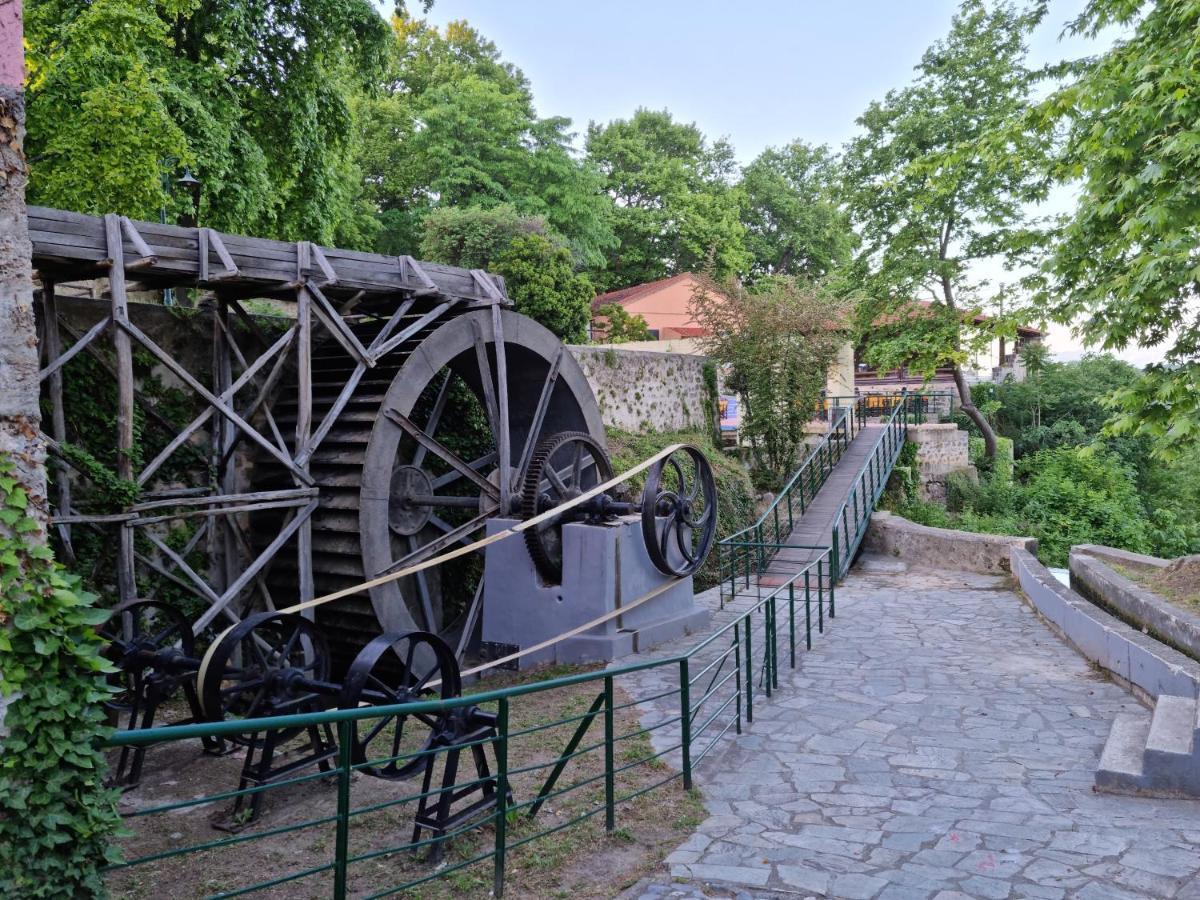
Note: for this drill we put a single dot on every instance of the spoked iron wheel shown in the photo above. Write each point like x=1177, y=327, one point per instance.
x=142, y=636
x=679, y=512
x=269, y=664
x=563, y=467
x=398, y=668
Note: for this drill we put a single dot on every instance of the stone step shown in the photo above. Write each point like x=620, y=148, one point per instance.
x=1172, y=727
x=1120, y=767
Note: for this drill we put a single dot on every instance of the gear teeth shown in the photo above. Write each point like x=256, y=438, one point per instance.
x=547, y=566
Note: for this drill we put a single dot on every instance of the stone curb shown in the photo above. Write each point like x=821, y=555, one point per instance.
x=1148, y=666
x=1128, y=600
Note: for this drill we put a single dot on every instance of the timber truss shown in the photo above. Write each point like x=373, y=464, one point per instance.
x=332, y=289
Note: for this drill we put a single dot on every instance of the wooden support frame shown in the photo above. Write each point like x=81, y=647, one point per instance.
x=330, y=286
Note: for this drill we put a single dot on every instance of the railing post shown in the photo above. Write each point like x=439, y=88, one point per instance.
x=820, y=605
x=833, y=556
x=792, y=620
x=501, y=796
x=808, y=611
x=610, y=786
x=774, y=673
x=685, y=722
x=341, y=840
x=832, y=590
x=737, y=669
x=749, y=667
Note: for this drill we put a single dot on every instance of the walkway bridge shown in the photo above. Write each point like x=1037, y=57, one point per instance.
x=822, y=513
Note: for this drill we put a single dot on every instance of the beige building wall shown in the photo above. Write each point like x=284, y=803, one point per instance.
x=667, y=307
x=840, y=382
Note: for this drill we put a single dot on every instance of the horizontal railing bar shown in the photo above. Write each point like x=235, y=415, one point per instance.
x=437, y=873
x=213, y=845
x=227, y=795
x=274, y=882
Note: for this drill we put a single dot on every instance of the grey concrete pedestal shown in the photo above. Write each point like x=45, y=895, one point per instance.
x=604, y=567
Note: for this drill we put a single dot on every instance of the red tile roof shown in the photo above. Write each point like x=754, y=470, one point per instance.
x=629, y=294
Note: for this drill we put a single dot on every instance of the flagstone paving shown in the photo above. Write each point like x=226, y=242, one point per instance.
x=937, y=741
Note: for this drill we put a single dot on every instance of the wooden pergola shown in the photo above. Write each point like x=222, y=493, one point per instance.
x=332, y=289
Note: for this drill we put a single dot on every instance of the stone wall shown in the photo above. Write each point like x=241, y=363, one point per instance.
x=942, y=451
x=642, y=392
x=922, y=547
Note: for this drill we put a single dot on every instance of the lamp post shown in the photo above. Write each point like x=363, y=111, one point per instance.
x=166, y=167
x=191, y=184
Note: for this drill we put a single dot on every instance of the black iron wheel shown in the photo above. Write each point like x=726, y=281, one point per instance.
x=269, y=664
x=679, y=512
x=143, y=637
x=426, y=670
x=563, y=467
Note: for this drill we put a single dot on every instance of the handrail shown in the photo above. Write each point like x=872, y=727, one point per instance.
x=851, y=520
x=734, y=664
x=922, y=405
x=773, y=526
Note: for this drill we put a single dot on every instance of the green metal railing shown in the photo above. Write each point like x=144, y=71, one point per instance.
x=712, y=691
x=750, y=550
x=850, y=522
x=923, y=406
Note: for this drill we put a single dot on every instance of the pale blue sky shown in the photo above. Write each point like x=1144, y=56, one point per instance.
x=759, y=72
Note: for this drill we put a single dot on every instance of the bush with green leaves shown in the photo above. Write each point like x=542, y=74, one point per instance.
x=56, y=815
x=544, y=285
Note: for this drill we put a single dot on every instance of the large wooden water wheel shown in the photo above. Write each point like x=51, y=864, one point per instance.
x=433, y=443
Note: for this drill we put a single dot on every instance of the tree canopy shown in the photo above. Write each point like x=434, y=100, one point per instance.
x=1124, y=264
x=255, y=97
x=794, y=222
x=929, y=209
x=673, y=196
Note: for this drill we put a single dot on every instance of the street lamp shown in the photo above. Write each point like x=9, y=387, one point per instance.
x=191, y=184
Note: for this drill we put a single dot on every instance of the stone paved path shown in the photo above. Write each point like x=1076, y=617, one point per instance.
x=938, y=741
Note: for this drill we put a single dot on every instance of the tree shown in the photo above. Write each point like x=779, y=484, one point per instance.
x=778, y=343
x=545, y=286
x=621, y=326
x=473, y=238
x=455, y=126
x=930, y=208
x=19, y=412
x=56, y=817
x=674, y=205
x=1124, y=263
x=255, y=97
x=794, y=225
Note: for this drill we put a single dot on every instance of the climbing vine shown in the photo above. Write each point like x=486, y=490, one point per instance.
x=56, y=815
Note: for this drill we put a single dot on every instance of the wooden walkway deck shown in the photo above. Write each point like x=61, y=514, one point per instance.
x=816, y=525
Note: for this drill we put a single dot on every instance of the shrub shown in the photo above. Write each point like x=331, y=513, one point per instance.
x=56, y=816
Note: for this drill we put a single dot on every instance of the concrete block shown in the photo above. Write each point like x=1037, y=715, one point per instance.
x=605, y=567
x=1121, y=762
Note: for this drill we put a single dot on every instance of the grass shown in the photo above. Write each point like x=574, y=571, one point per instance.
x=1156, y=581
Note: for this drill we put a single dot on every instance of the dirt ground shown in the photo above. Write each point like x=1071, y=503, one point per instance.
x=581, y=860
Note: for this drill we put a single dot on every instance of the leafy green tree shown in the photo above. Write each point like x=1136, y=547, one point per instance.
x=544, y=285
x=455, y=126
x=256, y=97
x=674, y=204
x=1124, y=264
x=619, y=325
x=794, y=225
x=930, y=210
x=778, y=344
x=473, y=237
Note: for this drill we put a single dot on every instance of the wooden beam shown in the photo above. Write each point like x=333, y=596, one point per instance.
x=126, y=577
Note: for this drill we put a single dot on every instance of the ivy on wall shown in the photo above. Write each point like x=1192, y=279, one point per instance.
x=56, y=815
